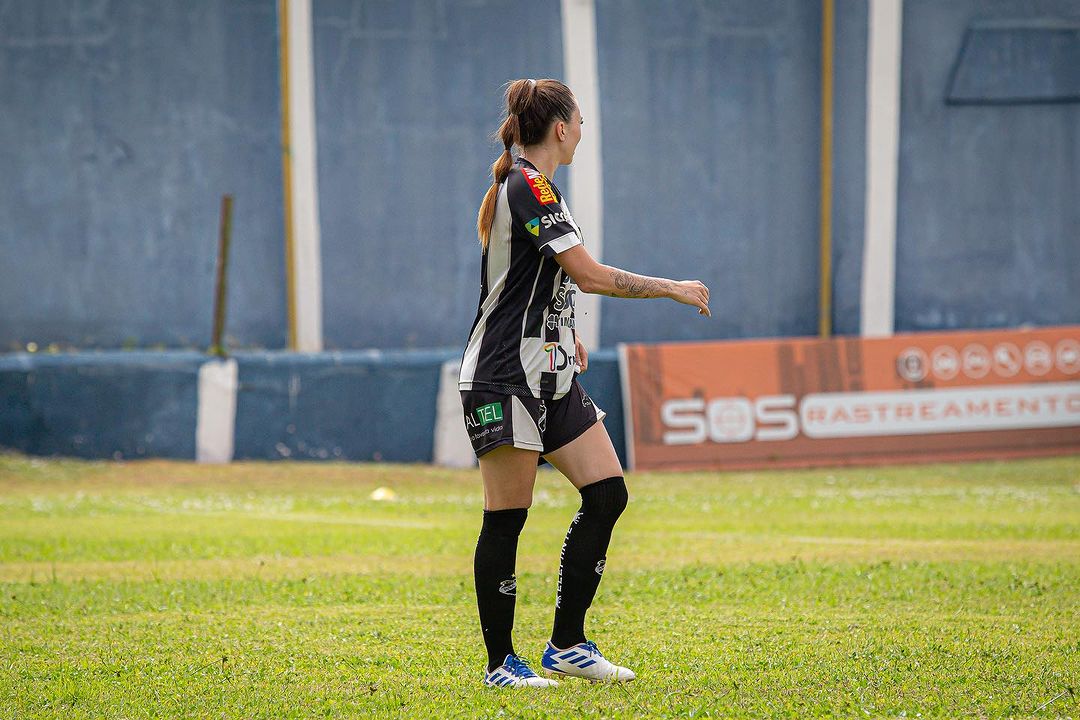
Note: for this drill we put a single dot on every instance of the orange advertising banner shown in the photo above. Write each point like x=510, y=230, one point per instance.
x=805, y=402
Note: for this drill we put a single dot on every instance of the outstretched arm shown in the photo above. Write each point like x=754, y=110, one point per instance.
x=599, y=279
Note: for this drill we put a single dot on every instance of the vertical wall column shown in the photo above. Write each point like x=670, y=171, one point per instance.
x=215, y=425
x=825, y=282
x=882, y=159
x=586, y=174
x=303, y=259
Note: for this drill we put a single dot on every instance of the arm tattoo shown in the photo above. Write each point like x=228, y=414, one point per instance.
x=629, y=285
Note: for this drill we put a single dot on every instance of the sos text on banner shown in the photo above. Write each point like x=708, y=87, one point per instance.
x=804, y=402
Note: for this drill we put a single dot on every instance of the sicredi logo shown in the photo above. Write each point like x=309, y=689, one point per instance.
x=533, y=226
x=551, y=218
x=691, y=421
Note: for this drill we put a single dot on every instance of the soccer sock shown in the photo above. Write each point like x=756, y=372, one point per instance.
x=583, y=557
x=496, y=584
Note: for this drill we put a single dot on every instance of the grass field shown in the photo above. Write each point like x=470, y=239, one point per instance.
x=158, y=589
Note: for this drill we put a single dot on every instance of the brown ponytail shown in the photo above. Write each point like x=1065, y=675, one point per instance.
x=531, y=107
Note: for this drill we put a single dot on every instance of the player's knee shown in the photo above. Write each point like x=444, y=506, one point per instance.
x=504, y=523
x=605, y=499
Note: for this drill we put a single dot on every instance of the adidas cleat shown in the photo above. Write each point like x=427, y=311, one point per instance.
x=516, y=673
x=584, y=661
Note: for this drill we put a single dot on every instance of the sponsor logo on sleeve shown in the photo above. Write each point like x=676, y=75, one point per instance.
x=551, y=218
x=540, y=186
x=533, y=226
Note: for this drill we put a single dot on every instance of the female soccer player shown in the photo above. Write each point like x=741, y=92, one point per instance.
x=519, y=386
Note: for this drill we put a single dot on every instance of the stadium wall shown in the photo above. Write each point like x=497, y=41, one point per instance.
x=122, y=124
x=988, y=229
x=354, y=405
x=125, y=121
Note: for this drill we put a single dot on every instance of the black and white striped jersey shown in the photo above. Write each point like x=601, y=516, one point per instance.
x=522, y=342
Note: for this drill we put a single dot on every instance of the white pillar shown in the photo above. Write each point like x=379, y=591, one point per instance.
x=303, y=191
x=586, y=173
x=452, y=445
x=882, y=159
x=215, y=425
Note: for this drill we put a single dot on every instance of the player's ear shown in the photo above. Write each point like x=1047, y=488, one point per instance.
x=560, y=130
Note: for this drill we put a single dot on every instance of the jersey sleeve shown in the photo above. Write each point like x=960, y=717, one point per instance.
x=536, y=209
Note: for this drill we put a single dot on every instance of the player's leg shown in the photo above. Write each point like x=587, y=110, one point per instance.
x=590, y=463
x=587, y=459
x=509, y=474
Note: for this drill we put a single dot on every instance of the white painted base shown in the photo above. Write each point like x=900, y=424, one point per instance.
x=452, y=446
x=216, y=425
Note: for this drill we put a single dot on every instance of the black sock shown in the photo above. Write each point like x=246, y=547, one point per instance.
x=496, y=584
x=583, y=557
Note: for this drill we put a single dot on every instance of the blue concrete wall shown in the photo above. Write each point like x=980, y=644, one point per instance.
x=602, y=383
x=849, y=163
x=122, y=124
x=326, y=406
x=372, y=405
x=113, y=405
x=337, y=406
x=711, y=125
x=408, y=93
x=988, y=232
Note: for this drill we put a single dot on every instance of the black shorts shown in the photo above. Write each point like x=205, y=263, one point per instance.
x=493, y=419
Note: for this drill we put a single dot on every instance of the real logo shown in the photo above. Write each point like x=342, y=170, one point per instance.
x=550, y=219
x=564, y=296
x=485, y=415
x=540, y=186
x=558, y=359
x=533, y=226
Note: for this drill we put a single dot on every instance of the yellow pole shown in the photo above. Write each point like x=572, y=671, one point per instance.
x=286, y=171
x=825, y=295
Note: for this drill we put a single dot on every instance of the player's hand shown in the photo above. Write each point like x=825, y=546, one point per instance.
x=582, y=358
x=692, y=292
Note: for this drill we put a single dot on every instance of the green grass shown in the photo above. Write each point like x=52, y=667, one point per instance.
x=158, y=589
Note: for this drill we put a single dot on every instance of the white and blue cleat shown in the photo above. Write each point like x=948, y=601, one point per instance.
x=584, y=661
x=516, y=673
